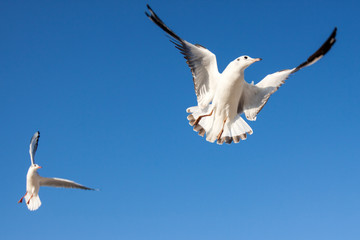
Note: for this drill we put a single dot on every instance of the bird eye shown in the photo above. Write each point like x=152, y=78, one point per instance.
x=245, y=57
x=238, y=59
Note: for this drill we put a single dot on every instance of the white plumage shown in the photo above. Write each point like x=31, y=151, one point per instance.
x=223, y=97
x=34, y=181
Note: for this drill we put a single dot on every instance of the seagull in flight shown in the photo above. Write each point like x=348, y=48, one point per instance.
x=223, y=97
x=34, y=181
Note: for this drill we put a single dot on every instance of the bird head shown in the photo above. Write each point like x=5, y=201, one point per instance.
x=245, y=61
x=35, y=167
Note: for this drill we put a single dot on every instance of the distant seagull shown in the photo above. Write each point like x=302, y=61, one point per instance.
x=34, y=180
x=223, y=97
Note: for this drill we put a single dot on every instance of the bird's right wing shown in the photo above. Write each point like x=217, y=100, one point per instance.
x=201, y=61
x=59, y=182
x=256, y=96
x=33, y=146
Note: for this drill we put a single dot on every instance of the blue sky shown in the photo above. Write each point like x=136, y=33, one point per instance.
x=108, y=93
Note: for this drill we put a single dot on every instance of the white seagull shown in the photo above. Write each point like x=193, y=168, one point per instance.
x=223, y=97
x=34, y=181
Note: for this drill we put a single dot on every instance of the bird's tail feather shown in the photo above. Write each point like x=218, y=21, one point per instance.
x=205, y=124
x=234, y=131
x=34, y=202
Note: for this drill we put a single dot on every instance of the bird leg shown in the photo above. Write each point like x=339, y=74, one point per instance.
x=200, y=117
x=21, y=199
x=29, y=199
x=222, y=130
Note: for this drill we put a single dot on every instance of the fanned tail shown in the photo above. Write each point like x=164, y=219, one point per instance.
x=34, y=202
x=234, y=131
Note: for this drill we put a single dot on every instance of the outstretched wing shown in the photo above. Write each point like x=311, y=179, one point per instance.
x=59, y=182
x=256, y=96
x=33, y=146
x=201, y=61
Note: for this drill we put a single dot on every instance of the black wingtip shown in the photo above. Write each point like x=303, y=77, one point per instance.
x=151, y=11
x=33, y=136
x=325, y=48
x=333, y=34
x=154, y=18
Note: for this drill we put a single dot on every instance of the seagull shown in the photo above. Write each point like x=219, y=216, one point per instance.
x=34, y=181
x=223, y=97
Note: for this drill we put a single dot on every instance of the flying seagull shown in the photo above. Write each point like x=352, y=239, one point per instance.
x=223, y=97
x=34, y=181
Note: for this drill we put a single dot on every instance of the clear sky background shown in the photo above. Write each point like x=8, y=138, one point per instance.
x=108, y=93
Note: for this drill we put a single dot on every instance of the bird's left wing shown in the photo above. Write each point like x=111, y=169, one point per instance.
x=201, y=61
x=59, y=182
x=256, y=96
x=33, y=146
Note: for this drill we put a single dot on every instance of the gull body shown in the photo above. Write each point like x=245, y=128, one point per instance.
x=34, y=181
x=228, y=94
x=223, y=97
x=32, y=188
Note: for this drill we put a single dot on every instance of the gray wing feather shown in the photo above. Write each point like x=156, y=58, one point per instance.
x=59, y=182
x=33, y=146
